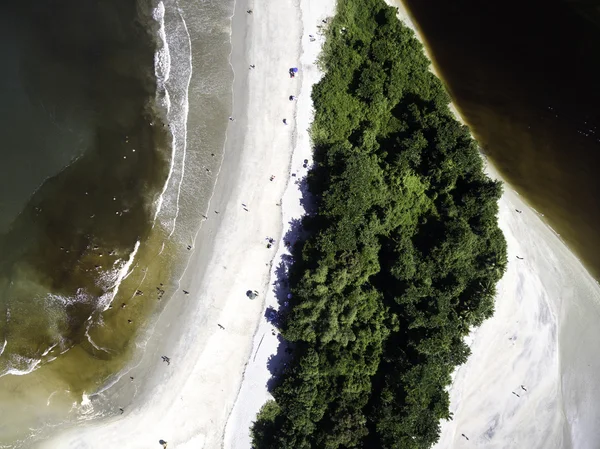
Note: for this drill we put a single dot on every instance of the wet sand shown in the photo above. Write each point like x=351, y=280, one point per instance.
x=187, y=402
x=532, y=378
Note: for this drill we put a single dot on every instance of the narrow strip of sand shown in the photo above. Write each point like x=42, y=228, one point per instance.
x=208, y=334
x=532, y=379
x=269, y=350
x=529, y=383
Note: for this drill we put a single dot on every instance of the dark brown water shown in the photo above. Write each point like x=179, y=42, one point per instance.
x=524, y=75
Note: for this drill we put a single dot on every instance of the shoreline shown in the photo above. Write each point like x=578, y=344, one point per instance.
x=528, y=360
x=219, y=341
x=187, y=402
x=536, y=355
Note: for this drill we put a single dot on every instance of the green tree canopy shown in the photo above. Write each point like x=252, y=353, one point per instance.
x=403, y=253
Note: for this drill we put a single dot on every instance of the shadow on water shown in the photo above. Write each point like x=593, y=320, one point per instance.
x=524, y=76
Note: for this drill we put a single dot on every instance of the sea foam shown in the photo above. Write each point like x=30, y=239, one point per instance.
x=173, y=72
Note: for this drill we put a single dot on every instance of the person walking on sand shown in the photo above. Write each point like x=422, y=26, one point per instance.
x=166, y=359
x=466, y=437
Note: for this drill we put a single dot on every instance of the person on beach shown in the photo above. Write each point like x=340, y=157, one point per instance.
x=185, y=292
x=166, y=359
x=285, y=121
x=292, y=98
x=220, y=327
x=272, y=177
x=467, y=438
x=520, y=258
x=163, y=443
x=249, y=11
x=252, y=66
x=518, y=211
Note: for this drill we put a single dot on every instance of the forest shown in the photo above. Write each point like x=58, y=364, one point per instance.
x=403, y=252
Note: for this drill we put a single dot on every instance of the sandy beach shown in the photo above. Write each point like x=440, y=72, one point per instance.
x=530, y=381
x=208, y=334
x=532, y=378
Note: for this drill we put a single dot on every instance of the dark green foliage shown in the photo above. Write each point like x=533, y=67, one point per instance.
x=403, y=256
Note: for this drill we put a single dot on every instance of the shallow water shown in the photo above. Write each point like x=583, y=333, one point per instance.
x=77, y=215
x=523, y=75
x=99, y=200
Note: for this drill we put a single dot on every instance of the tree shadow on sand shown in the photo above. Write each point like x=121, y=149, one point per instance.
x=292, y=240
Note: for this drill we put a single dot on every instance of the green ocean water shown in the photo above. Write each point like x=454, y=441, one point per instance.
x=81, y=166
x=107, y=168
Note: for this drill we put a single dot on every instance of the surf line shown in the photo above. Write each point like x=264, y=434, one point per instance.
x=186, y=108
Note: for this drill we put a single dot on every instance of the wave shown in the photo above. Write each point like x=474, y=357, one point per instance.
x=173, y=72
x=122, y=273
x=20, y=365
x=162, y=71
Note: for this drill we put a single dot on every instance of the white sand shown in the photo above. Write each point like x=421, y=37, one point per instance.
x=188, y=402
x=543, y=335
x=543, y=338
x=254, y=393
x=540, y=344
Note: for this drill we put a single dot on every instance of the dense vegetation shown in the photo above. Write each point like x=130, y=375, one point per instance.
x=403, y=253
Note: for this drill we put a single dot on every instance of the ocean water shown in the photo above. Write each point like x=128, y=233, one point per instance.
x=81, y=185
x=524, y=76
x=107, y=168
